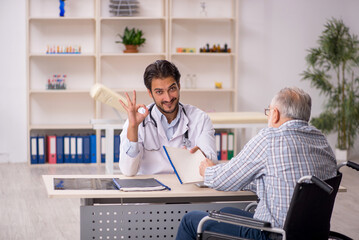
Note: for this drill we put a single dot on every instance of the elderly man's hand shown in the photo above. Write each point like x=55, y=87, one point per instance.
x=205, y=164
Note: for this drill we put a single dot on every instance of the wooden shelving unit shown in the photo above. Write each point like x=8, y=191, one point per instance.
x=167, y=25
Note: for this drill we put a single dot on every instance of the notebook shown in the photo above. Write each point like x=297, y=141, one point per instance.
x=146, y=184
x=185, y=164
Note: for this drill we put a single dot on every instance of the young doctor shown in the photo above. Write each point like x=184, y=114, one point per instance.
x=166, y=122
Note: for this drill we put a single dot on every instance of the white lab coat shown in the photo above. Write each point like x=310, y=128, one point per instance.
x=200, y=133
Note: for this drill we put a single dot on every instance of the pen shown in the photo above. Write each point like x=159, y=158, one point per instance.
x=174, y=169
x=60, y=185
x=169, y=189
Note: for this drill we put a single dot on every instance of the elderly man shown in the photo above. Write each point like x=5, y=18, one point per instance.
x=270, y=165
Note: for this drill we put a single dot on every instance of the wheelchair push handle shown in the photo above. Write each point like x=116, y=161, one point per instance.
x=323, y=185
x=353, y=165
x=350, y=164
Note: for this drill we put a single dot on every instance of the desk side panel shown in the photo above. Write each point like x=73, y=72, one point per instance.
x=140, y=221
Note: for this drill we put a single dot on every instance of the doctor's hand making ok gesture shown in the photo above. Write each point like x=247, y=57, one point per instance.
x=135, y=117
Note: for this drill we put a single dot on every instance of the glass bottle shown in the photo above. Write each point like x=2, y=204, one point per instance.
x=188, y=81
x=194, y=81
x=203, y=12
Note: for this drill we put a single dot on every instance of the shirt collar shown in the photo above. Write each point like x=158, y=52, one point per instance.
x=294, y=122
x=164, y=119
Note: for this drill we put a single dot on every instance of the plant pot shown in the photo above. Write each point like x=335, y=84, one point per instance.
x=131, y=49
x=341, y=155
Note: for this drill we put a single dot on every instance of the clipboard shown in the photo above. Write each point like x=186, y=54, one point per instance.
x=185, y=164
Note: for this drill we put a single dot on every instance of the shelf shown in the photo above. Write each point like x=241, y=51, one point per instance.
x=50, y=9
x=62, y=19
x=133, y=19
x=60, y=164
x=60, y=126
x=132, y=54
x=65, y=91
x=62, y=55
x=153, y=31
x=166, y=24
x=205, y=90
x=203, y=54
x=203, y=19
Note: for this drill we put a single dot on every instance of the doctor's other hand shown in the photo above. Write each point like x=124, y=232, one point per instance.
x=205, y=164
x=193, y=150
x=135, y=117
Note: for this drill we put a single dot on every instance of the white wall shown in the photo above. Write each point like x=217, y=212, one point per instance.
x=274, y=36
x=13, y=133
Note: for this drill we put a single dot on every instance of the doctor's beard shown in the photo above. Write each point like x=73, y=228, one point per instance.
x=173, y=100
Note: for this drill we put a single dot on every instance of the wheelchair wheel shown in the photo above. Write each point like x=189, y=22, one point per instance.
x=251, y=207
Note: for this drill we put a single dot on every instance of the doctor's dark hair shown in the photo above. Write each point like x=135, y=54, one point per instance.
x=160, y=69
x=293, y=103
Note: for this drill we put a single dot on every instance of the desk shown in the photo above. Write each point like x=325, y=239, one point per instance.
x=220, y=120
x=112, y=214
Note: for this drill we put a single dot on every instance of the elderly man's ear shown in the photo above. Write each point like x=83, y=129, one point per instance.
x=275, y=116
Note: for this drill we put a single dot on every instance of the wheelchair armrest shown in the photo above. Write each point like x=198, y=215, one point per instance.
x=318, y=182
x=323, y=185
x=250, y=222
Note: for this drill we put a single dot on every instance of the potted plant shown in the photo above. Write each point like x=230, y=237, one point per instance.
x=332, y=68
x=132, y=38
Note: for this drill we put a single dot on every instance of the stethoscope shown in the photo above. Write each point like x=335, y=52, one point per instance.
x=186, y=141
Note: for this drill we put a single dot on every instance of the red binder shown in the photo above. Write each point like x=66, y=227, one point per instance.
x=224, y=144
x=51, y=149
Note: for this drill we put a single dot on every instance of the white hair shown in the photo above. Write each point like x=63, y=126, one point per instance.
x=293, y=103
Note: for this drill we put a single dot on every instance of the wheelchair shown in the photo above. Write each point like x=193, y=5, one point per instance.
x=308, y=216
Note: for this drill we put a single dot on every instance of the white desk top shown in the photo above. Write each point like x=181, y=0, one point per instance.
x=177, y=189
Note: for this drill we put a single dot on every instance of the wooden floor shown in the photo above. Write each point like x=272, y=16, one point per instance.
x=27, y=213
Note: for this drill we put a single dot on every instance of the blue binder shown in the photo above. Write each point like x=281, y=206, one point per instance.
x=86, y=149
x=93, y=148
x=73, y=149
x=218, y=145
x=41, y=149
x=59, y=149
x=116, y=148
x=103, y=149
x=67, y=149
x=33, y=150
x=79, y=150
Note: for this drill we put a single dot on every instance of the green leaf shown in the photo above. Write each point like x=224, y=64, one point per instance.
x=325, y=122
x=132, y=37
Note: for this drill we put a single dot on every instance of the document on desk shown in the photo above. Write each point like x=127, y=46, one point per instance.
x=185, y=164
x=83, y=184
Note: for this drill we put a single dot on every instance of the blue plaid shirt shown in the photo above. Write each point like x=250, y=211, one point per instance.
x=271, y=163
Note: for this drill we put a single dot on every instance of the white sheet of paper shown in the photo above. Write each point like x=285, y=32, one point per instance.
x=186, y=164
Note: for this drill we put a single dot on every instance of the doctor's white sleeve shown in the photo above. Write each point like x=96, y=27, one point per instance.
x=129, y=161
x=206, y=140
